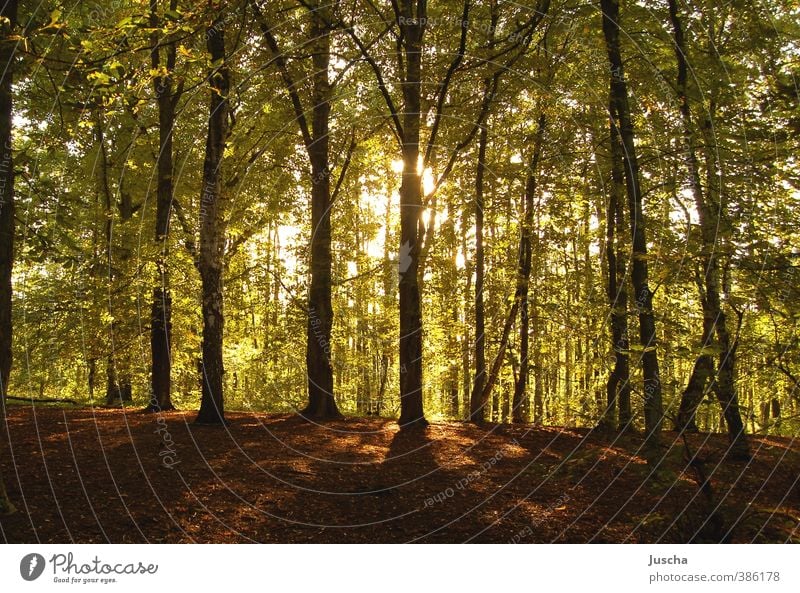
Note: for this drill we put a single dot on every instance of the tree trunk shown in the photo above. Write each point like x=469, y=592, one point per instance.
x=321, y=401
x=113, y=393
x=714, y=318
x=497, y=362
x=384, y=378
x=160, y=337
x=618, y=388
x=454, y=347
x=211, y=229
x=161, y=310
x=726, y=392
x=91, y=376
x=7, y=50
x=569, y=358
x=477, y=412
x=466, y=342
x=538, y=367
x=118, y=389
x=521, y=407
x=411, y=21
x=477, y=407
x=693, y=394
x=643, y=297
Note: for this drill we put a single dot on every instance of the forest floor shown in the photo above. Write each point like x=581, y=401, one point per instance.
x=98, y=475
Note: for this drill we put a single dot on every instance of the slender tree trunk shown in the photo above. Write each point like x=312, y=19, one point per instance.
x=703, y=369
x=7, y=226
x=618, y=389
x=412, y=26
x=7, y=51
x=160, y=340
x=538, y=367
x=477, y=404
x=161, y=310
x=714, y=318
x=569, y=357
x=454, y=349
x=466, y=342
x=114, y=393
x=321, y=401
x=643, y=297
x=497, y=362
x=692, y=397
x=91, y=376
x=211, y=229
x=520, y=408
x=113, y=390
x=521, y=402
x=726, y=392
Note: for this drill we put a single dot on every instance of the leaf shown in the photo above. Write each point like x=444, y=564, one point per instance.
x=53, y=26
x=116, y=69
x=99, y=78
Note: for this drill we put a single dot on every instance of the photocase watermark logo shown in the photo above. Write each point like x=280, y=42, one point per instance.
x=31, y=566
x=67, y=570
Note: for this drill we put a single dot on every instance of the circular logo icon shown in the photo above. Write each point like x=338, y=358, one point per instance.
x=31, y=567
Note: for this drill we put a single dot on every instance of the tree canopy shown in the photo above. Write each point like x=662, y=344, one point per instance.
x=334, y=180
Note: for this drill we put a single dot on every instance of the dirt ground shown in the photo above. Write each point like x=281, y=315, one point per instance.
x=99, y=475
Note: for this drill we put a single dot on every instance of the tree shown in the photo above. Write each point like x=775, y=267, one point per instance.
x=411, y=19
x=321, y=400
x=520, y=405
x=643, y=297
x=8, y=23
x=482, y=384
x=618, y=389
x=714, y=318
x=161, y=317
x=340, y=105
x=477, y=402
x=210, y=260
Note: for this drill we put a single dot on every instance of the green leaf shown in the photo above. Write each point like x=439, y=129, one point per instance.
x=99, y=78
x=116, y=69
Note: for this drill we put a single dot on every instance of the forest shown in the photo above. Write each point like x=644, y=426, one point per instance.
x=364, y=270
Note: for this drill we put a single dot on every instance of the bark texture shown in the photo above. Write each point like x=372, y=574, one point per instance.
x=643, y=296
x=211, y=230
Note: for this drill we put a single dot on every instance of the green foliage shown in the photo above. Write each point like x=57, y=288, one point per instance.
x=86, y=138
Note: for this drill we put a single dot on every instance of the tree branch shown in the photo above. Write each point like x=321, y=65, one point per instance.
x=283, y=68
